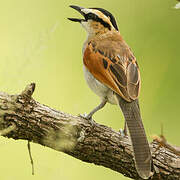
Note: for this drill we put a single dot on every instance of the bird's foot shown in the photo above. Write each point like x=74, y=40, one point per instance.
x=87, y=117
x=123, y=133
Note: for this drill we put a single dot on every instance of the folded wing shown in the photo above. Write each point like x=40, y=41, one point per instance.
x=114, y=65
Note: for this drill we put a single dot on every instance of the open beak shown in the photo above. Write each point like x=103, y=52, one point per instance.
x=77, y=8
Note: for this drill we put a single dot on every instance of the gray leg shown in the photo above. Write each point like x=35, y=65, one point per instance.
x=100, y=106
x=124, y=132
x=125, y=128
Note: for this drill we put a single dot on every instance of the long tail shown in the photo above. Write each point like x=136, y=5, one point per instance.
x=138, y=137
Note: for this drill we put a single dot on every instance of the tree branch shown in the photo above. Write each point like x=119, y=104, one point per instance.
x=21, y=117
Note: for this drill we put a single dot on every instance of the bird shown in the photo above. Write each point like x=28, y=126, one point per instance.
x=112, y=72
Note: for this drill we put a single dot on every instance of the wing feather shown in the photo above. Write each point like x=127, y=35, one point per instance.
x=133, y=78
x=114, y=68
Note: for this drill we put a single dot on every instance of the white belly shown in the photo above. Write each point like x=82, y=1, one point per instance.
x=98, y=88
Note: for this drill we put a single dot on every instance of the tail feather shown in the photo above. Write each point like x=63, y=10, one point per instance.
x=138, y=137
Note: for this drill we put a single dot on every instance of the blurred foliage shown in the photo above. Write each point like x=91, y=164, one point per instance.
x=38, y=44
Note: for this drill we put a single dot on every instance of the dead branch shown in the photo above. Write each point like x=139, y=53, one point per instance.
x=21, y=117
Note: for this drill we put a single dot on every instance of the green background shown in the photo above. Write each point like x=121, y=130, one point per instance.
x=38, y=44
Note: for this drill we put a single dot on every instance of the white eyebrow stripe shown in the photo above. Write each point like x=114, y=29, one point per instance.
x=98, y=13
x=86, y=11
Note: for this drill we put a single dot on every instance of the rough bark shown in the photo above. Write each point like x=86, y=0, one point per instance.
x=21, y=117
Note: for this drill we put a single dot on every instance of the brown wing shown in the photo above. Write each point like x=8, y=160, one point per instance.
x=114, y=65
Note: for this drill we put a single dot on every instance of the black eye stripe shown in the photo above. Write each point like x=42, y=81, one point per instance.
x=96, y=18
x=108, y=14
x=91, y=16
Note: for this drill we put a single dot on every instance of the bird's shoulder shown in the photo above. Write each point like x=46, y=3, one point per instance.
x=111, y=44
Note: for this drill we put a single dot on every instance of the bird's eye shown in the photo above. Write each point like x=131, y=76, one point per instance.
x=91, y=16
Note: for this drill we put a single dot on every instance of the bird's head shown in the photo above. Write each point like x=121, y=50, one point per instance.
x=96, y=20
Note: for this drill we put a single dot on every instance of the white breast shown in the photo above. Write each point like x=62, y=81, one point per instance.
x=98, y=88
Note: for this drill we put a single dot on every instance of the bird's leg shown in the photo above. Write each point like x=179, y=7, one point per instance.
x=124, y=132
x=125, y=129
x=100, y=106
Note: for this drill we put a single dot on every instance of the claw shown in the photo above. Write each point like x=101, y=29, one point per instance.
x=87, y=117
x=123, y=132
